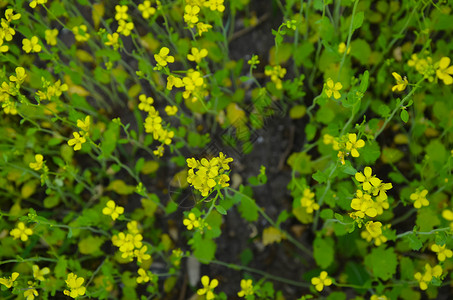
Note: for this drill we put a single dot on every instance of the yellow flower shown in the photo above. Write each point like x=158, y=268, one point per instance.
x=35, y=2
x=20, y=76
x=10, y=16
x=121, y=12
x=174, y=81
x=31, y=45
x=276, y=73
x=368, y=180
x=342, y=48
x=419, y=198
x=202, y=27
x=30, y=293
x=246, y=288
x=84, y=125
x=3, y=48
x=143, y=278
x=197, y=55
x=215, y=5
x=146, y=103
x=191, y=15
x=113, y=210
x=442, y=252
x=162, y=58
x=51, y=36
x=321, y=281
x=141, y=254
x=191, y=222
x=400, y=82
x=113, y=40
x=80, y=33
x=39, y=273
x=77, y=141
x=37, y=165
x=125, y=28
x=21, y=231
x=333, y=89
x=74, y=283
x=374, y=228
x=376, y=297
x=8, y=282
x=146, y=9
x=171, y=110
x=364, y=204
x=208, y=287
x=353, y=144
x=445, y=71
x=426, y=278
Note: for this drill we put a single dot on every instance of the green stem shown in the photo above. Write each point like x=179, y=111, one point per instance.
x=348, y=42
x=267, y=275
x=398, y=107
x=422, y=232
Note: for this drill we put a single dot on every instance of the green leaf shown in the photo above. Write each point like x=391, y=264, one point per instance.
x=361, y=50
x=60, y=267
x=364, y=82
x=323, y=251
x=406, y=268
x=382, y=262
x=427, y=219
x=204, y=248
x=248, y=209
x=220, y=209
x=414, y=242
x=91, y=245
x=357, y=275
x=339, y=217
x=326, y=214
x=441, y=238
x=358, y=20
x=370, y=153
x=110, y=137
x=320, y=176
x=404, y=115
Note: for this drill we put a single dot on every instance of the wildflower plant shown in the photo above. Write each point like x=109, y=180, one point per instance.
x=143, y=143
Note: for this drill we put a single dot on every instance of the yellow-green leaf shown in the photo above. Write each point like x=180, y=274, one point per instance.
x=272, y=235
x=91, y=245
x=120, y=187
x=297, y=112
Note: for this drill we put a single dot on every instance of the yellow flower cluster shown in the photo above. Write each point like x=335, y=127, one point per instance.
x=192, y=12
x=80, y=137
x=193, y=83
x=51, y=90
x=345, y=145
x=204, y=175
x=144, y=276
x=307, y=200
x=8, y=282
x=153, y=124
x=430, y=70
x=11, y=88
x=374, y=232
x=276, y=73
x=194, y=222
x=425, y=279
x=125, y=24
x=130, y=243
x=75, y=285
x=6, y=32
x=363, y=203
